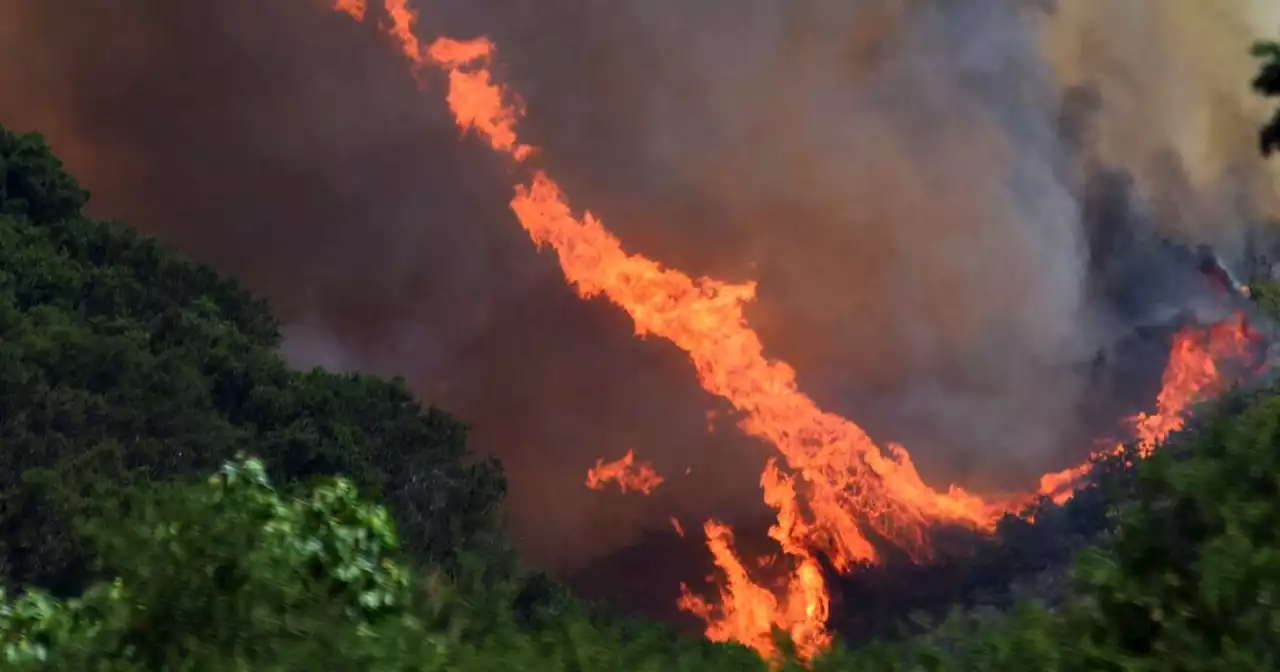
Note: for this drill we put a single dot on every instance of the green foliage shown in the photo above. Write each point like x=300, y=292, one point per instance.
x=32, y=181
x=1266, y=295
x=121, y=362
x=224, y=575
x=231, y=575
x=1267, y=83
x=1194, y=570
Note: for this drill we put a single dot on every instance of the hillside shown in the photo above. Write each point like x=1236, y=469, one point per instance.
x=173, y=496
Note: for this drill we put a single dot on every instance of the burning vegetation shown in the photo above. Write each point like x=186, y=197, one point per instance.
x=629, y=475
x=1180, y=582
x=834, y=489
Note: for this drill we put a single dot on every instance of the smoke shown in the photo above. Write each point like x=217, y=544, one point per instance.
x=950, y=208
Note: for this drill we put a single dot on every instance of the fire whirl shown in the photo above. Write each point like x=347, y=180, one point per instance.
x=834, y=487
x=631, y=476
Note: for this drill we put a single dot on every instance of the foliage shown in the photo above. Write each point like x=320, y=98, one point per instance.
x=122, y=362
x=32, y=181
x=224, y=575
x=231, y=575
x=1266, y=295
x=1267, y=83
x=1195, y=566
x=234, y=575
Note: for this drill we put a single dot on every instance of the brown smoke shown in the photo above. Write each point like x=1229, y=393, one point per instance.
x=893, y=172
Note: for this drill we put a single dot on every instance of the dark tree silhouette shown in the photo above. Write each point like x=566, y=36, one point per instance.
x=1267, y=83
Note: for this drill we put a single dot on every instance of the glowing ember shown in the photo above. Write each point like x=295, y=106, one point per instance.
x=631, y=476
x=834, y=486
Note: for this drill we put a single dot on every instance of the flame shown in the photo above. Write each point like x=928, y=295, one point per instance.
x=476, y=102
x=852, y=485
x=675, y=524
x=1194, y=374
x=402, y=21
x=631, y=476
x=749, y=613
x=834, y=488
x=356, y=9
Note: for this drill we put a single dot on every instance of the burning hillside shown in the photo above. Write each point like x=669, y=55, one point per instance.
x=884, y=246
x=834, y=489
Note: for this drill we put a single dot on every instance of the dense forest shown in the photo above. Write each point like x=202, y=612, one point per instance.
x=174, y=497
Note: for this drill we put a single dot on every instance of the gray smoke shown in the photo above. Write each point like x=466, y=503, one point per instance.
x=944, y=227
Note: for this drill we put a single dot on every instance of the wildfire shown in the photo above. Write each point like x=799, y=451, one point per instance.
x=1194, y=374
x=475, y=100
x=833, y=488
x=356, y=9
x=749, y=613
x=631, y=476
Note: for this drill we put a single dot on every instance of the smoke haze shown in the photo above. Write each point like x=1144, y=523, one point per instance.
x=950, y=208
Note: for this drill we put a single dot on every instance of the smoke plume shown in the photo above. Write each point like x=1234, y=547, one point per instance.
x=951, y=208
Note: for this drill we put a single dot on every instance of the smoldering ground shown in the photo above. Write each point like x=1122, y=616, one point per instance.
x=903, y=177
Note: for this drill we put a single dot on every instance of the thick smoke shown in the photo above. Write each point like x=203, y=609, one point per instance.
x=951, y=207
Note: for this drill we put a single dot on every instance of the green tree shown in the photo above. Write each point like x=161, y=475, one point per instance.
x=228, y=575
x=122, y=362
x=231, y=574
x=1191, y=576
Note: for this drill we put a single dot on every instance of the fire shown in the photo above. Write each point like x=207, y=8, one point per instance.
x=852, y=486
x=356, y=9
x=1194, y=374
x=631, y=476
x=477, y=102
x=834, y=487
x=749, y=613
x=675, y=525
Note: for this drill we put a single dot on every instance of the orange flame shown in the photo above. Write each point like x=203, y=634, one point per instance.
x=852, y=484
x=402, y=21
x=356, y=9
x=631, y=476
x=749, y=613
x=1194, y=374
x=475, y=100
x=839, y=486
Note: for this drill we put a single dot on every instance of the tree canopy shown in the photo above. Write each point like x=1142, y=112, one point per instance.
x=122, y=362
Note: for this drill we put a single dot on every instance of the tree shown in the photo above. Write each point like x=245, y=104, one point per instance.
x=228, y=575
x=122, y=362
x=1267, y=84
x=1190, y=579
x=231, y=574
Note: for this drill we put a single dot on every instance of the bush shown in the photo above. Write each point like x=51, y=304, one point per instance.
x=231, y=575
